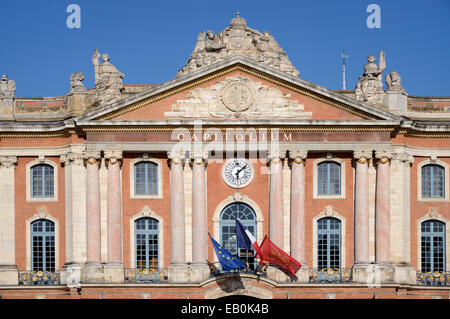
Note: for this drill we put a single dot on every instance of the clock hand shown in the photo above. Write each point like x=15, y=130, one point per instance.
x=237, y=173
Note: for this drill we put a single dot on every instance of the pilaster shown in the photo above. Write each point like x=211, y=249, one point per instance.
x=75, y=206
x=400, y=223
x=8, y=268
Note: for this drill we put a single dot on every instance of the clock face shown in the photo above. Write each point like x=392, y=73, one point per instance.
x=237, y=172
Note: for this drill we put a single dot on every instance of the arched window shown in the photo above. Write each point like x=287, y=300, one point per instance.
x=228, y=217
x=329, y=178
x=42, y=181
x=433, y=246
x=146, y=178
x=43, y=245
x=147, y=243
x=328, y=243
x=433, y=181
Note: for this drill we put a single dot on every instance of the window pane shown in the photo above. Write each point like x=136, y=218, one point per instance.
x=433, y=181
x=146, y=178
x=433, y=246
x=42, y=181
x=245, y=214
x=43, y=245
x=146, y=239
x=329, y=178
x=329, y=243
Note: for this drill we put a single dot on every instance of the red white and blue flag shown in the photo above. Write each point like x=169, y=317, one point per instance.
x=245, y=239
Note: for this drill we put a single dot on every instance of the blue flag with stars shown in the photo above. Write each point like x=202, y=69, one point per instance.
x=226, y=259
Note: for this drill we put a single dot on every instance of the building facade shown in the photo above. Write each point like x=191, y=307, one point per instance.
x=111, y=192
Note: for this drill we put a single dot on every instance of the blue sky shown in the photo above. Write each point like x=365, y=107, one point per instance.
x=149, y=41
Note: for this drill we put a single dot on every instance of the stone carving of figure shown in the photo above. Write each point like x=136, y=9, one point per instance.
x=238, y=39
x=7, y=87
x=76, y=85
x=108, y=80
x=213, y=42
x=370, y=86
x=394, y=82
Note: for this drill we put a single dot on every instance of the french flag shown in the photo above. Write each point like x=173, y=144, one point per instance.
x=245, y=239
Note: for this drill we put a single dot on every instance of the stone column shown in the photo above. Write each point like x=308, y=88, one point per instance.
x=8, y=268
x=200, y=270
x=92, y=270
x=275, y=163
x=382, y=216
x=400, y=243
x=114, y=268
x=177, y=271
x=75, y=205
x=361, y=233
x=298, y=220
x=276, y=218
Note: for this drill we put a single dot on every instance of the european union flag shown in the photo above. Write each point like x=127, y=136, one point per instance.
x=226, y=259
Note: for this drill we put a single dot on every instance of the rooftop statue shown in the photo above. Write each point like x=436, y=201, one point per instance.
x=76, y=83
x=237, y=39
x=370, y=86
x=7, y=87
x=394, y=82
x=108, y=80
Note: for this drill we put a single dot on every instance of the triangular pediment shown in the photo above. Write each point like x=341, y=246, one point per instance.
x=237, y=88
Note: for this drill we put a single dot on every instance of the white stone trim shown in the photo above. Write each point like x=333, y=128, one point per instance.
x=433, y=215
x=238, y=197
x=160, y=179
x=419, y=180
x=329, y=212
x=41, y=160
x=147, y=212
x=41, y=214
x=327, y=158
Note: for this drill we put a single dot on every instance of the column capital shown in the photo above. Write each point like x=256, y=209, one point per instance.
x=362, y=156
x=8, y=161
x=383, y=156
x=199, y=157
x=92, y=157
x=113, y=157
x=297, y=156
x=176, y=157
x=403, y=157
x=70, y=158
x=275, y=156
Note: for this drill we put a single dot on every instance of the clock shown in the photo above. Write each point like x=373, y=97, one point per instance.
x=237, y=172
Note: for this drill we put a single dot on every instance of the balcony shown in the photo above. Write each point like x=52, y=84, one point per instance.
x=39, y=278
x=330, y=275
x=437, y=278
x=145, y=275
x=216, y=270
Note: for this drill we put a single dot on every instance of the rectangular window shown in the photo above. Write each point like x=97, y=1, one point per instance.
x=146, y=178
x=329, y=178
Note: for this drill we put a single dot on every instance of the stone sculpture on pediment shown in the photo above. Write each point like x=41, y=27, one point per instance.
x=370, y=86
x=76, y=83
x=108, y=80
x=394, y=82
x=238, y=97
x=238, y=39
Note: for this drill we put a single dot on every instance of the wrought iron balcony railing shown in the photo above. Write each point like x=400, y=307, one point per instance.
x=39, y=277
x=436, y=278
x=145, y=275
x=216, y=269
x=330, y=275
